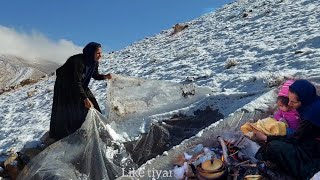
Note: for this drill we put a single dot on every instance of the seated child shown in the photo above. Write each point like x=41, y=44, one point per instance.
x=285, y=113
x=284, y=122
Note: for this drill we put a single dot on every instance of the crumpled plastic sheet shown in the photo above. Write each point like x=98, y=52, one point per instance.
x=89, y=153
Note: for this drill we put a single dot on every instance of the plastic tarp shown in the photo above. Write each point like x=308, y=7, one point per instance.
x=96, y=150
x=89, y=153
x=133, y=103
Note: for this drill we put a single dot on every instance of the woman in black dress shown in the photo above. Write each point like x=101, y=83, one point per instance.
x=72, y=98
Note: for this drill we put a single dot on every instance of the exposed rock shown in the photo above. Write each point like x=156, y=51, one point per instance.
x=178, y=28
x=28, y=81
x=31, y=93
x=230, y=63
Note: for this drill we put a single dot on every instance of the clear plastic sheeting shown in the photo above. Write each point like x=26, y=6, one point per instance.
x=130, y=97
x=96, y=150
x=89, y=153
x=131, y=102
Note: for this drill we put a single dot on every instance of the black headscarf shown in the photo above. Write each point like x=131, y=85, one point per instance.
x=310, y=101
x=89, y=52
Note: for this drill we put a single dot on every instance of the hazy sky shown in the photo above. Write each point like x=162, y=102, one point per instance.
x=115, y=24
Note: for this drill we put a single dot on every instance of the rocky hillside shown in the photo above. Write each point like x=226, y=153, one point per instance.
x=15, y=71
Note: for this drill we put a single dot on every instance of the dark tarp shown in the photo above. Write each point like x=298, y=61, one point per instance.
x=164, y=135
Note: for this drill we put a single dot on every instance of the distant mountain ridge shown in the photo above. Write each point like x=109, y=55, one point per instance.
x=14, y=70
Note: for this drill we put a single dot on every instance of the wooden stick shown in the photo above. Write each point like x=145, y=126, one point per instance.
x=224, y=150
x=241, y=163
x=249, y=165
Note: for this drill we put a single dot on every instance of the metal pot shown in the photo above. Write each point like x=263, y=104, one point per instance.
x=211, y=169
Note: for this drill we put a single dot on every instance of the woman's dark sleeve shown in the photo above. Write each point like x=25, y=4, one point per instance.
x=96, y=74
x=306, y=130
x=271, y=138
x=77, y=70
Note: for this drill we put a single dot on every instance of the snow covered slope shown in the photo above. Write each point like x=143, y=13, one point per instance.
x=248, y=46
x=276, y=38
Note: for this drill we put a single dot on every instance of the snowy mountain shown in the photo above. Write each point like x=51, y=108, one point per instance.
x=249, y=46
x=14, y=70
x=264, y=39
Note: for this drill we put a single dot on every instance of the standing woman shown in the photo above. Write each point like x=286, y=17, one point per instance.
x=72, y=98
x=299, y=155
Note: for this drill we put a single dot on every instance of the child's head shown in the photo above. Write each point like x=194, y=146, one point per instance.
x=285, y=88
x=282, y=102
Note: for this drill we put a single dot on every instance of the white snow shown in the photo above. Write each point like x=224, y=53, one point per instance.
x=277, y=39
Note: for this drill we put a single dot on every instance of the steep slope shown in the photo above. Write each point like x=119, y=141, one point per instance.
x=263, y=39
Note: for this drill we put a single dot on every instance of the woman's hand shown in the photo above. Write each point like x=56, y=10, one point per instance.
x=107, y=76
x=259, y=136
x=87, y=103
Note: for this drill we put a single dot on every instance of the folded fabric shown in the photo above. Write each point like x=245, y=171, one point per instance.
x=268, y=126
